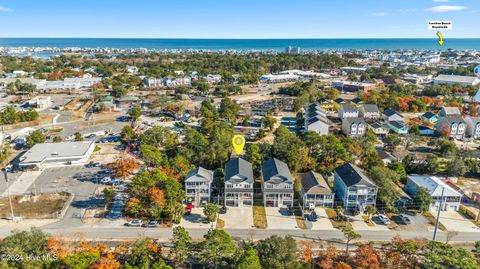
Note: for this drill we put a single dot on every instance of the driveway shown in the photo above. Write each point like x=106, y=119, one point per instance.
x=278, y=219
x=238, y=218
x=194, y=220
x=454, y=221
x=359, y=224
x=323, y=222
x=418, y=223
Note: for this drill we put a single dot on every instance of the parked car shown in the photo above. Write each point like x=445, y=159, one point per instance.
x=384, y=219
x=90, y=136
x=405, y=219
x=150, y=224
x=106, y=180
x=223, y=210
x=134, y=223
x=188, y=209
x=312, y=216
x=290, y=211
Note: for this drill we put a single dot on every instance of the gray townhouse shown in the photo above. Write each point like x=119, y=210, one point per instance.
x=198, y=185
x=454, y=126
x=315, y=191
x=473, y=127
x=277, y=183
x=347, y=111
x=354, y=188
x=239, y=182
x=369, y=111
x=354, y=127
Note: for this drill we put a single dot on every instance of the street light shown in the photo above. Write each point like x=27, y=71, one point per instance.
x=8, y=193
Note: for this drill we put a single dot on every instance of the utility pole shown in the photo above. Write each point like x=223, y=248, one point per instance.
x=438, y=215
x=8, y=193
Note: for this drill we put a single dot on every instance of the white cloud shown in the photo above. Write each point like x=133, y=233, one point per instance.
x=5, y=9
x=446, y=8
x=408, y=10
x=441, y=1
x=378, y=14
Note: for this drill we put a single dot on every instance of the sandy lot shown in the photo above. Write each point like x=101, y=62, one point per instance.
x=238, y=218
x=278, y=219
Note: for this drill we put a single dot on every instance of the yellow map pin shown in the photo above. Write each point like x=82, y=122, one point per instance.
x=238, y=142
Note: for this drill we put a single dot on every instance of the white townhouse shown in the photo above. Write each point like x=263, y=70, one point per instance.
x=198, y=185
x=277, y=185
x=239, y=182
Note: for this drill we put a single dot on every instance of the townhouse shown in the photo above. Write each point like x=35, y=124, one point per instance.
x=347, y=111
x=354, y=127
x=473, y=127
x=198, y=186
x=277, y=183
x=239, y=182
x=452, y=126
x=315, y=191
x=369, y=111
x=354, y=188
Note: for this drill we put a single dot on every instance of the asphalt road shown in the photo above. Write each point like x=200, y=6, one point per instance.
x=164, y=234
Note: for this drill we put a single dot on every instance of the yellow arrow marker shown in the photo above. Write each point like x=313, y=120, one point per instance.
x=440, y=40
x=238, y=142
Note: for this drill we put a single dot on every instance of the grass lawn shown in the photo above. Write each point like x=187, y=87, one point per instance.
x=299, y=218
x=332, y=215
x=368, y=221
x=259, y=217
x=431, y=219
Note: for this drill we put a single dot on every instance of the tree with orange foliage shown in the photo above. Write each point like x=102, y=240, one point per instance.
x=106, y=262
x=445, y=131
x=157, y=196
x=366, y=257
x=124, y=166
x=342, y=265
x=307, y=251
x=328, y=258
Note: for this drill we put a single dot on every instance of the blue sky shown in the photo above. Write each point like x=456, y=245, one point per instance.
x=236, y=18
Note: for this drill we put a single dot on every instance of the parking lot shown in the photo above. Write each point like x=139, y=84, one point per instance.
x=238, y=218
x=278, y=219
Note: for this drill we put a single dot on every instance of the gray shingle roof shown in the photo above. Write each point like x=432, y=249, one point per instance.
x=352, y=175
x=349, y=108
x=275, y=171
x=314, y=183
x=370, y=108
x=199, y=174
x=456, y=79
x=238, y=170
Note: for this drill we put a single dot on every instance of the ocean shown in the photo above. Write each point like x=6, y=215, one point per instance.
x=243, y=44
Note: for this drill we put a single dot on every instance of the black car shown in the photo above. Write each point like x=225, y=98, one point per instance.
x=290, y=211
x=223, y=210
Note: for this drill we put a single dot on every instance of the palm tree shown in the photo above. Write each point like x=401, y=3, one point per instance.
x=370, y=210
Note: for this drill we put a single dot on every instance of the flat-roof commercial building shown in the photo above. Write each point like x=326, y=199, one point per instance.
x=58, y=154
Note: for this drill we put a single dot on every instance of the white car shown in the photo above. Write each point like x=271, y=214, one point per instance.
x=384, y=219
x=106, y=180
